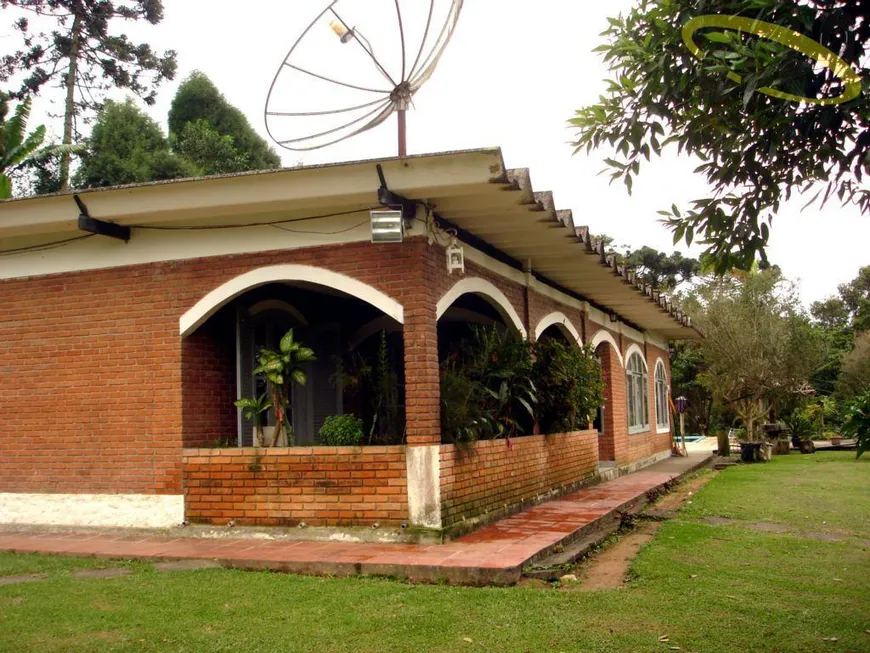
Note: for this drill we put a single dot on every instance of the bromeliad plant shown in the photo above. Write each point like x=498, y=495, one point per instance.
x=281, y=369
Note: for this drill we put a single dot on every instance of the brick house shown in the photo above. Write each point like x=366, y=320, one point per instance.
x=121, y=360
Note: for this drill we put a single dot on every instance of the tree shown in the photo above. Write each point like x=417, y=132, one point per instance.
x=759, y=347
x=81, y=56
x=198, y=99
x=756, y=150
x=128, y=147
x=18, y=149
x=663, y=272
x=841, y=318
x=212, y=153
x=854, y=375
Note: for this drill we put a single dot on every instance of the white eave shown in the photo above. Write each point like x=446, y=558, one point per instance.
x=471, y=190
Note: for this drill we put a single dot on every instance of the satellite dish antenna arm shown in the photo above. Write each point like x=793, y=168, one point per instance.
x=388, y=198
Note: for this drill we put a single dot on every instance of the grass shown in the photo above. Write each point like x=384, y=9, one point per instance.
x=705, y=587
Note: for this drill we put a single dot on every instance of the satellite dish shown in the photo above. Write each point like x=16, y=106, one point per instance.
x=354, y=65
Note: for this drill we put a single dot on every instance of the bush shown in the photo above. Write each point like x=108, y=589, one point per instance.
x=341, y=431
x=857, y=422
x=486, y=387
x=569, y=386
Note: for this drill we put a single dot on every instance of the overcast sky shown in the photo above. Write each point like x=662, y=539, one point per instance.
x=513, y=75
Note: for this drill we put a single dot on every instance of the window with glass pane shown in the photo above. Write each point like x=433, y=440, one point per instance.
x=662, y=414
x=637, y=387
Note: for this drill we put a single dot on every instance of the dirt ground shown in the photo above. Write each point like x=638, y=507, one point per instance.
x=609, y=568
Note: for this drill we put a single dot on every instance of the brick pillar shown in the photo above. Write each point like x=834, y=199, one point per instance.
x=613, y=443
x=423, y=395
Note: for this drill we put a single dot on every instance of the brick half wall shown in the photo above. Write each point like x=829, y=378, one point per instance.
x=488, y=480
x=321, y=486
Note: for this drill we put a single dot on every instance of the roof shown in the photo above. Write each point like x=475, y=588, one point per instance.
x=492, y=207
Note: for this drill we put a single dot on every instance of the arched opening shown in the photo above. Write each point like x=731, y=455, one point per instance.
x=480, y=335
x=359, y=366
x=557, y=325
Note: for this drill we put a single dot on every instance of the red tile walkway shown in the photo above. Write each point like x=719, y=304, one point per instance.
x=493, y=555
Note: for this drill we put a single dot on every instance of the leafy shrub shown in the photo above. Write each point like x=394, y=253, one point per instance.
x=857, y=422
x=341, y=431
x=801, y=425
x=569, y=384
x=486, y=387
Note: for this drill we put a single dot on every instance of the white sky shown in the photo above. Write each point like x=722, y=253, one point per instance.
x=513, y=75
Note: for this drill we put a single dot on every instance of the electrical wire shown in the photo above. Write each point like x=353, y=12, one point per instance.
x=44, y=247
x=320, y=233
x=248, y=224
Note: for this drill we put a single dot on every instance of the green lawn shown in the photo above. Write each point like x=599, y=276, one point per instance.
x=706, y=587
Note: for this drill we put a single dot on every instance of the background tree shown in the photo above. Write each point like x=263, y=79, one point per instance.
x=18, y=149
x=198, y=99
x=79, y=54
x=755, y=150
x=759, y=346
x=128, y=147
x=212, y=153
x=841, y=319
x=854, y=375
x=664, y=272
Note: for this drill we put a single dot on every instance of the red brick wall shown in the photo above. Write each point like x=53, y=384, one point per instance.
x=208, y=378
x=336, y=486
x=487, y=476
x=91, y=365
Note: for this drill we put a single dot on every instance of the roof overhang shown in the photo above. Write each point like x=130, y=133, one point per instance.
x=471, y=190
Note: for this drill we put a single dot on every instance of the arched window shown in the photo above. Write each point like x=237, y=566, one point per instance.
x=637, y=387
x=663, y=421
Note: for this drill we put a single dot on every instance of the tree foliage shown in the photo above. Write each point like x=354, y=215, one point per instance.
x=663, y=272
x=198, y=99
x=212, y=153
x=759, y=347
x=569, y=385
x=80, y=54
x=842, y=318
x=128, y=147
x=755, y=150
x=18, y=148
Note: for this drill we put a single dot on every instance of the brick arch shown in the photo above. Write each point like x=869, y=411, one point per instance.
x=605, y=336
x=634, y=348
x=220, y=296
x=487, y=291
x=561, y=321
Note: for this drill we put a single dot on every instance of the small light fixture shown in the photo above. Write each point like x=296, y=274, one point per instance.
x=614, y=317
x=455, y=257
x=341, y=31
x=387, y=226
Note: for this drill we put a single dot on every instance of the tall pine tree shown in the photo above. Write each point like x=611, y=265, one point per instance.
x=79, y=54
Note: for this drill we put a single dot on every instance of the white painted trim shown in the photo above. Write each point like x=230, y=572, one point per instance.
x=103, y=510
x=660, y=361
x=209, y=305
x=652, y=339
x=561, y=320
x=601, y=318
x=487, y=291
x=605, y=336
x=520, y=277
x=635, y=349
x=423, y=466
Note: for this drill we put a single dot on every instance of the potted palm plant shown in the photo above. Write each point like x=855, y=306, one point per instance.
x=281, y=368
